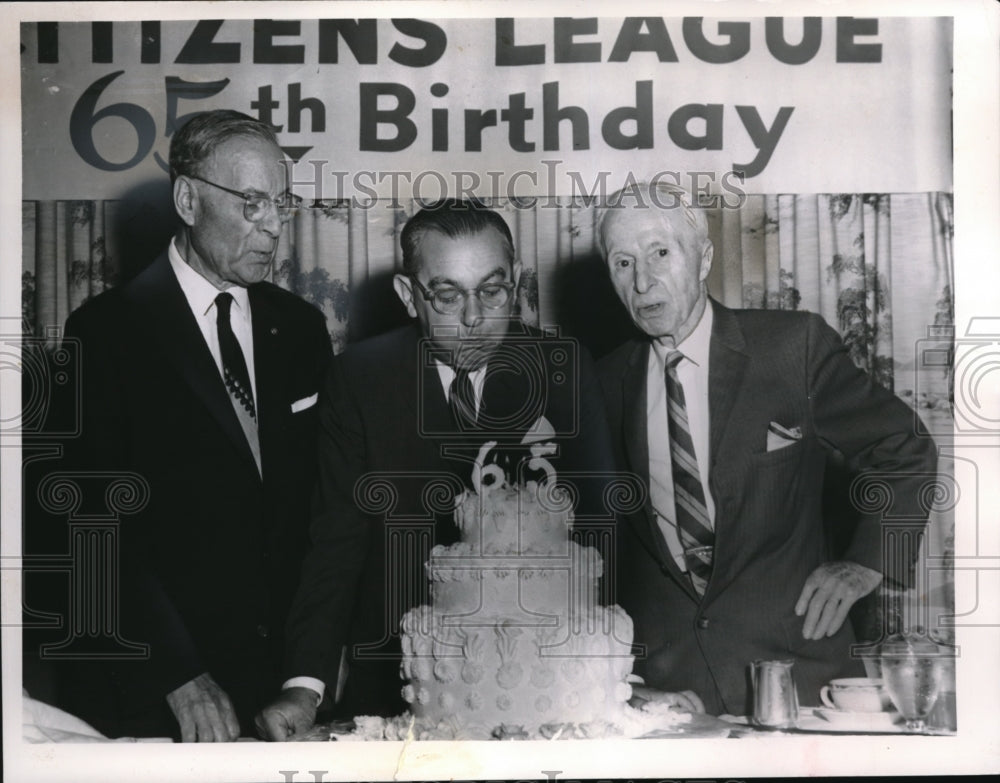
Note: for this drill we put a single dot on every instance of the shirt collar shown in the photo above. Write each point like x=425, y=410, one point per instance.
x=200, y=293
x=697, y=344
x=447, y=374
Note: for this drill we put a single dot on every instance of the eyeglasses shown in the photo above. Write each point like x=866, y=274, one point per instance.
x=255, y=204
x=449, y=299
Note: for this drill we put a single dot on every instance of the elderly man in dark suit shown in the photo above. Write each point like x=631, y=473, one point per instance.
x=402, y=418
x=201, y=377
x=728, y=416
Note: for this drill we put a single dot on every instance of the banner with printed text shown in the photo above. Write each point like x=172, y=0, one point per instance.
x=501, y=106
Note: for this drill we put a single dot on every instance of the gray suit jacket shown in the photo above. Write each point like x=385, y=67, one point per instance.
x=764, y=366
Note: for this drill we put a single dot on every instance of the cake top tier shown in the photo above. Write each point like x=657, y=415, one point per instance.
x=500, y=518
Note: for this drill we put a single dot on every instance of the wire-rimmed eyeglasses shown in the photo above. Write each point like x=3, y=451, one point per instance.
x=255, y=204
x=450, y=299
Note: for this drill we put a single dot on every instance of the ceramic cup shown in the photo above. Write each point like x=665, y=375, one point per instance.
x=855, y=694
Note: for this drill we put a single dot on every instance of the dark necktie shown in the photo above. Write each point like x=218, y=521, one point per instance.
x=462, y=400
x=693, y=524
x=234, y=366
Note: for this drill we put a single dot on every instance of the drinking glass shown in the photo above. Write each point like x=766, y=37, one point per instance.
x=912, y=672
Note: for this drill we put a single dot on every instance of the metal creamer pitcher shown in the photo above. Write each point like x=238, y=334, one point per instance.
x=775, y=701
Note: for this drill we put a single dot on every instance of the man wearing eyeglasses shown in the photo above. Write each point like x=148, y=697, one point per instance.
x=199, y=377
x=402, y=418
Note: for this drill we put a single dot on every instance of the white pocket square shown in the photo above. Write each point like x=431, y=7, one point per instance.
x=304, y=403
x=779, y=437
x=542, y=430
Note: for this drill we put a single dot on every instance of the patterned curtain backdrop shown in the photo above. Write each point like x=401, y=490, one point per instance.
x=877, y=267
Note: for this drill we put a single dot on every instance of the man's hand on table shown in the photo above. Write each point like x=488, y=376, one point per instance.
x=683, y=701
x=293, y=712
x=829, y=593
x=204, y=711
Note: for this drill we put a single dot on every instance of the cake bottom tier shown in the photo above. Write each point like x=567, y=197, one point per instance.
x=501, y=673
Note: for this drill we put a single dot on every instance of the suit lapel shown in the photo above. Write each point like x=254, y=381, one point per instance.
x=726, y=369
x=425, y=404
x=634, y=412
x=726, y=366
x=515, y=394
x=159, y=300
x=437, y=445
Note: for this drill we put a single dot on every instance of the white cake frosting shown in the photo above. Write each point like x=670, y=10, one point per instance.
x=514, y=644
x=514, y=639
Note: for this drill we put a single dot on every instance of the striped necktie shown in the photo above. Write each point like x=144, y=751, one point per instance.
x=693, y=523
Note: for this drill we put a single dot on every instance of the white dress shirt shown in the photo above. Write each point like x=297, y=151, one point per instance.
x=447, y=374
x=692, y=371
x=200, y=295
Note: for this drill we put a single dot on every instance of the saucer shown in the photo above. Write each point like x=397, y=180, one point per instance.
x=842, y=720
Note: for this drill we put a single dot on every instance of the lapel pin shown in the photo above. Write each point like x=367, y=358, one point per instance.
x=274, y=330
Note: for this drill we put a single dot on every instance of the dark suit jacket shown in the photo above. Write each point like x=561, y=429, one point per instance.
x=386, y=490
x=790, y=368
x=209, y=566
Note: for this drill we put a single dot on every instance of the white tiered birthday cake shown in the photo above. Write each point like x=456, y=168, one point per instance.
x=515, y=644
x=515, y=639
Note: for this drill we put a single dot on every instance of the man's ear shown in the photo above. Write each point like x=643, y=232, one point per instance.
x=706, y=261
x=185, y=200
x=404, y=290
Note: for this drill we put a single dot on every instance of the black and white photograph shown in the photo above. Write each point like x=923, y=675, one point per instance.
x=479, y=390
